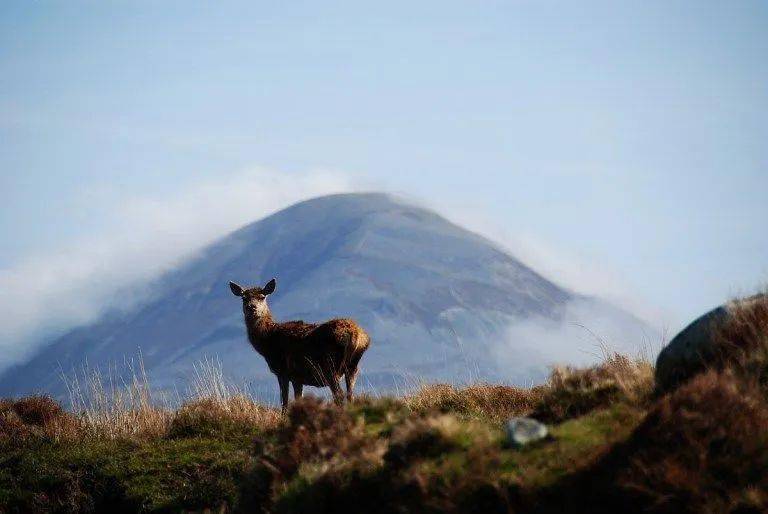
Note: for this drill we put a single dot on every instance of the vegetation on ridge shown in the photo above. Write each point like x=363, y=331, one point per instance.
x=614, y=444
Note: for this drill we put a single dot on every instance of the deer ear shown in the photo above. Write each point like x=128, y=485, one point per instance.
x=270, y=287
x=237, y=290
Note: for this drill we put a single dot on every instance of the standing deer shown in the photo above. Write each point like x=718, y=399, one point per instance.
x=303, y=353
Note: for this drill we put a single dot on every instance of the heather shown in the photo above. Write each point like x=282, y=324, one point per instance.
x=614, y=443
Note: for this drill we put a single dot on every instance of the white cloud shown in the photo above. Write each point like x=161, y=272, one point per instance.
x=559, y=265
x=146, y=236
x=149, y=235
x=585, y=333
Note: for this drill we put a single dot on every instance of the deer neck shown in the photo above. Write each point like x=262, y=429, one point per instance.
x=259, y=323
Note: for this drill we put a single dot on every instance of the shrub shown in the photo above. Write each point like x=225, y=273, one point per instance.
x=316, y=442
x=35, y=417
x=440, y=463
x=318, y=431
x=37, y=410
x=701, y=449
x=573, y=392
x=431, y=463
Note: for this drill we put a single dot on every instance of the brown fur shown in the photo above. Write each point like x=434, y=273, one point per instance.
x=303, y=353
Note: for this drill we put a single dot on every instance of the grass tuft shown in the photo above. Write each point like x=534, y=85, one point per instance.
x=703, y=448
x=211, y=417
x=612, y=447
x=572, y=392
x=482, y=401
x=34, y=418
x=741, y=341
x=315, y=431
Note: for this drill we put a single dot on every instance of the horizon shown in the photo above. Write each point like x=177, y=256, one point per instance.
x=404, y=272
x=617, y=150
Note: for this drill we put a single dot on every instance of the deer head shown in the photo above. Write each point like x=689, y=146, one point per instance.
x=254, y=298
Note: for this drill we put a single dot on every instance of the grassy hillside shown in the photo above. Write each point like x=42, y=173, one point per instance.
x=615, y=444
x=612, y=446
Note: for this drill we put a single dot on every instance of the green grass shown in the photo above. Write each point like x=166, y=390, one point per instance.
x=442, y=461
x=573, y=445
x=442, y=449
x=147, y=476
x=205, y=464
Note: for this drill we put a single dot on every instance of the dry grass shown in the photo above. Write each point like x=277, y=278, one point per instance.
x=116, y=408
x=486, y=401
x=572, y=392
x=217, y=406
x=701, y=449
x=108, y=408
x=568, y=393
x=212, y=416
x=35, y=417
x=741, y=341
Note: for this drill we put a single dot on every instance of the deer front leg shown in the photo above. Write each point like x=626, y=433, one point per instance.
x=298, y=388
x=283, y=381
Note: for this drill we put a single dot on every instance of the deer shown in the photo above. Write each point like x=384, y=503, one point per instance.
x=312, y=354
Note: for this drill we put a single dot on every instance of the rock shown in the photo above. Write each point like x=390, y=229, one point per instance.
x=686, y=354
x=698, y=347
x=522, y=431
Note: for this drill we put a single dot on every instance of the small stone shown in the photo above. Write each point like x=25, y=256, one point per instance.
x=522, y=431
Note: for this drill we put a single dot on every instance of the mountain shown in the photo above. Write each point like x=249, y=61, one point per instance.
x=440, y=303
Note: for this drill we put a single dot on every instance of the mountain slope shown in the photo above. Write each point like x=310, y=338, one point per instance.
x=437, y=300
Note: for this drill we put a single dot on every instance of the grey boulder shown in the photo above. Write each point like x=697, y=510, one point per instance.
x=695, y=348
x=522, y=431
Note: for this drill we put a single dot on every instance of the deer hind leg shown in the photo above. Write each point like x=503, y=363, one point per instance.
x=350, y=377
x=338, y=395
x=283, y=391
x=298, y=388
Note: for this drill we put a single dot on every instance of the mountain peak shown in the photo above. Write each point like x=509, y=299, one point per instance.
x=435, y=298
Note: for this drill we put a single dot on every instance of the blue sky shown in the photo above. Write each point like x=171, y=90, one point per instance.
x=622, y=143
